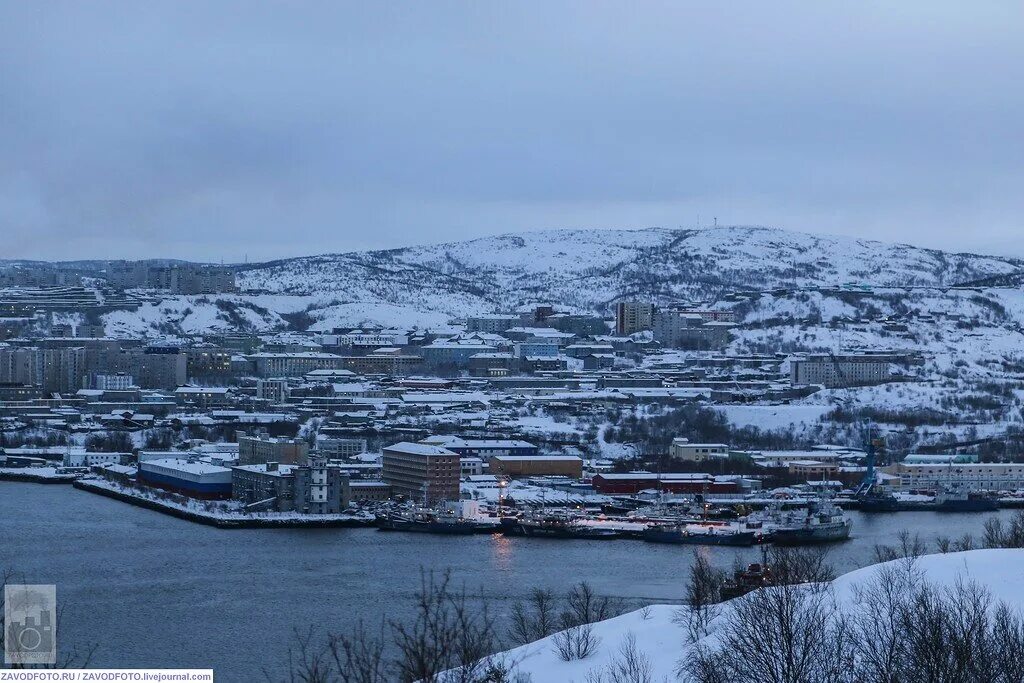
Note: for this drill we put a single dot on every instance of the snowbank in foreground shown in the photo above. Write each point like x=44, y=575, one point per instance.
x=664, y=642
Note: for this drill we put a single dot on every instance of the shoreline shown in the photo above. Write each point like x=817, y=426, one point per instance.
x=219, y=521
x=29, y=477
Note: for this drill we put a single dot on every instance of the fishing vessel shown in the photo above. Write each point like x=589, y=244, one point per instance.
x=428, y=521
x=703, y=533
x=820, y=522
x=954, y=499
x=559, y=525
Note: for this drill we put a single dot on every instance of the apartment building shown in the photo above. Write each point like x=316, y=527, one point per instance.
x=633, y=316
x=833, y=371
x=422, y=472
x=254, y=450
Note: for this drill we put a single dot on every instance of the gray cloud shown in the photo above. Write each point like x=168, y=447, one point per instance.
x=261, y=130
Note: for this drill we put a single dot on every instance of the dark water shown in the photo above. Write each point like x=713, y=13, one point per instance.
x=153, y=591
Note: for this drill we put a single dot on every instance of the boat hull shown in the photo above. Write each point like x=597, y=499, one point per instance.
x=973, y=505
x=429, y=527
x=744, y=538
x=830, y=533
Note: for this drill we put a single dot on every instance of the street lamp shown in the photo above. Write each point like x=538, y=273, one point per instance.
x=501, y=491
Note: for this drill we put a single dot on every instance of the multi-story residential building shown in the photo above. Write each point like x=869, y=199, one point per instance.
x=117, y=381
x=682, y=449
x=470, y=466
x=202, y=397
x=838, y=371
x=156, y=367
x=363, y=342
x=633, y=316
x=483, y=448
x=63, y=370
x=535, y=349
x=384, y=361
x=454, y=354
x=89, y=331
x=20, y=366
x=340, y=448
x=294, y=364
x=491, y=322
x=208, y=362
x=705, y=314
x=254, y=450
x=188, y=278
x=422, y=472
x=677, y=329
x=275, y=390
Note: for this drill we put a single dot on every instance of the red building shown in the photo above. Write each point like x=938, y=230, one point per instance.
x=673, y=482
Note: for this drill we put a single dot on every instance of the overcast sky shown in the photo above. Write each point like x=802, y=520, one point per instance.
x=225, y=131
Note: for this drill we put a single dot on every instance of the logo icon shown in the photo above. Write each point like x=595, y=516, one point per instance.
x=30, y=624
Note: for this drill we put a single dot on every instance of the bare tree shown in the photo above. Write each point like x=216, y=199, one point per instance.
x=450, y=640
x=878, y=630
x=703, y=593
x=788, y=566
x=535, y=619
x=910, y=547
x=786, y=633
x=359, y=656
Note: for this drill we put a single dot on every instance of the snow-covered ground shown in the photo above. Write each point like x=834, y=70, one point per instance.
x=663, y=640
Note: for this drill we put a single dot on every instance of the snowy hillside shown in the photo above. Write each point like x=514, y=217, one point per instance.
x=590, y=268
x=660, y=636
x=584, y=269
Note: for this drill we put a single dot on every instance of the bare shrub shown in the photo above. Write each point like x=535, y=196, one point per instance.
x=583, y=606
x=576, y=642
x=1000, y=535
x=878, y=629
x=629, y=665
x=909, y=547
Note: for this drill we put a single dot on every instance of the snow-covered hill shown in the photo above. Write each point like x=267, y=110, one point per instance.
x=429, y=286
x=659, y=635
x=588, y=269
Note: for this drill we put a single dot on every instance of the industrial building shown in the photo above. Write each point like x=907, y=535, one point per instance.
x=671, y=482
x=536, y=465
x=187, y=476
